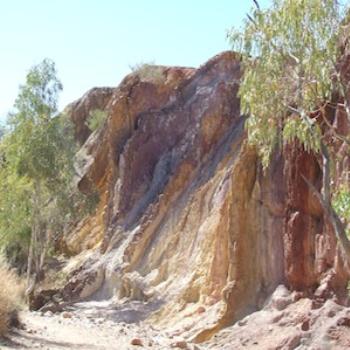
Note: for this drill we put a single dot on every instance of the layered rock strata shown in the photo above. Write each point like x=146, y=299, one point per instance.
x=188, y=222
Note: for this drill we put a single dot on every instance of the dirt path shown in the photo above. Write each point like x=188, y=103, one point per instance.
x=283, y=324
x=88, y=326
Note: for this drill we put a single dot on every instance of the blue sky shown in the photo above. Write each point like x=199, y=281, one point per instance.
x=94, y=42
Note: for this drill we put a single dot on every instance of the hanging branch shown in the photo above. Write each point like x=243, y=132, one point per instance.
x=251, y=19
x=256, y=4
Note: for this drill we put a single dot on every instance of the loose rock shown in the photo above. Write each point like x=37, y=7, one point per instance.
x=137, y=342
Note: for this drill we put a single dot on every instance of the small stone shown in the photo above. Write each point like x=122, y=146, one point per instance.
x=330, y=313
x=316, y=304
x=137, y=342
x=297, y=296
x=344, y=321
x=242, y=322
x=201, y=310
x=277, y=317
x=67, y=314
x=281, y=303
x=305, y=326
x=181, y=344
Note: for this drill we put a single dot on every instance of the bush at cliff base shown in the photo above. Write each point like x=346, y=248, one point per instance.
x=11, y=296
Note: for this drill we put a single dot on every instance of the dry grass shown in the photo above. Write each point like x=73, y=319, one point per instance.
x=149, y=72
x=11, y=296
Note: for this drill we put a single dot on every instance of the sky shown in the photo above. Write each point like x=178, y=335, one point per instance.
x=94, y=42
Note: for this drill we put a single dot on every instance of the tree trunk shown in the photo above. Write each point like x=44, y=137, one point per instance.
x=325, y=201
x=30, y=257
x=35, y=253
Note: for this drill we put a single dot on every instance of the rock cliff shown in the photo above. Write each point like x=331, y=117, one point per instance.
x=187, y=221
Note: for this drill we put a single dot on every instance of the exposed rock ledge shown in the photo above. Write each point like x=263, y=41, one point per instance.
x=187, y=221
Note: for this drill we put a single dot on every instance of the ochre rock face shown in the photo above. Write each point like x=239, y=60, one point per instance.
x=96, y=98
x=188, y=221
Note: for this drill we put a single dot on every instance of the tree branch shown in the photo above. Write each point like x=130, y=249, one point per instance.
x=257, y=4
x=335, y=133
x=343, y=89
x=251, y=19
x=326, y=173
x=292, y=109
x=310, y=122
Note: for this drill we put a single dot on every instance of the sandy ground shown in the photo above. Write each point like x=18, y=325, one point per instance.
x=89, y=326
x=285, y=323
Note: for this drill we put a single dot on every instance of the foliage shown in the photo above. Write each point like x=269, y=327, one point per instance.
x=15, y=209
x=289, y=56
x=34, y=141
x=341, y=204
x=35, y=154
x=289, y=53
x=38, y=201
x=148, y=72
x=96, y=119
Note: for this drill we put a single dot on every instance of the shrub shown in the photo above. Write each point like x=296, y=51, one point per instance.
x=341, y=204
x=148, y=72
x=96, y=119
x=11, y=296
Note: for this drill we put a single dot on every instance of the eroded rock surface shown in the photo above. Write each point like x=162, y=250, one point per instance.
x=295, y=324
x=188, y=223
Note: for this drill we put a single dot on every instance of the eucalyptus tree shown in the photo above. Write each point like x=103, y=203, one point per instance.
x=289, y=56
x=31, y=148
x=37, y=164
